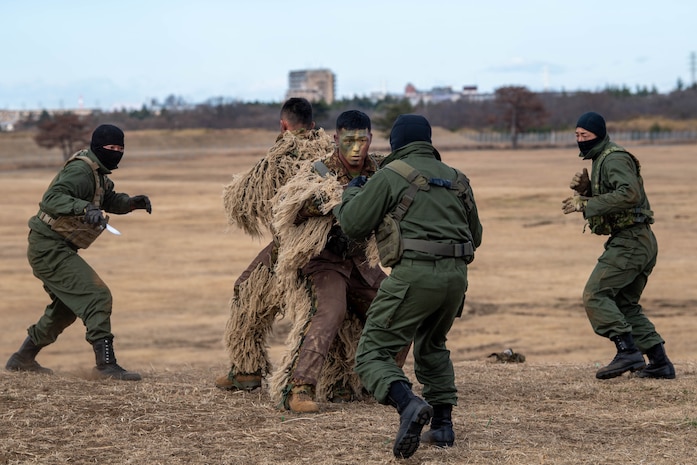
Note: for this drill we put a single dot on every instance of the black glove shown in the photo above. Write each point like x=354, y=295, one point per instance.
x=358, y=181
x=93, y=215
x=141, y=202
x=337, y=242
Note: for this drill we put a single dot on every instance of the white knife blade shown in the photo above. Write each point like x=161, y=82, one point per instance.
x=112, y=229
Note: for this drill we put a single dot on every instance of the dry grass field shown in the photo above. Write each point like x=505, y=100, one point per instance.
x=171, y=274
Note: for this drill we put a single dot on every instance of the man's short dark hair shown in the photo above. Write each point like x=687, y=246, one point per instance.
x=353, y=119
x=298, y=112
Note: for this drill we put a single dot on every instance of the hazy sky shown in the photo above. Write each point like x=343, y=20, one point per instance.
x=125, y=53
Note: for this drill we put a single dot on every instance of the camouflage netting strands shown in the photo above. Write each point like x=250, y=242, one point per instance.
x=252, y=314
x=248, y=198
x=337, y=372
x=298, y=244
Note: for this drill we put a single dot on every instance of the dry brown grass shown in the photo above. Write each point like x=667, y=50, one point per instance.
x=522, y=414
x=172, y=273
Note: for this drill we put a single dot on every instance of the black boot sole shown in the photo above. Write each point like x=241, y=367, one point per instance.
x=666, y=371
x=620, y=371
x=408, y=442
x=17, y=363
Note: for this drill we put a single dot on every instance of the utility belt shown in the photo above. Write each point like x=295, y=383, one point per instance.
x=637, y=224
x=604, y=225
x=75, y=231
x=464, y=250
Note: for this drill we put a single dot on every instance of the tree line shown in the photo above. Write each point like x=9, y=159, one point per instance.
x=510, y=109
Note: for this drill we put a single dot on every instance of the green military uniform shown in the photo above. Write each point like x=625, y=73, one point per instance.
x=424, y=292
x=618, y=205
x=75, y=289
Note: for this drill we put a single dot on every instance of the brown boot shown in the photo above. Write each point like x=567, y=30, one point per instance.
x=239, y=381
x=301, y=399
x=340, y=394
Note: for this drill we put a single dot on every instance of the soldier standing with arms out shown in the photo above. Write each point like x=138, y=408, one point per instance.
x=419, y=301
x=70, y=218
x=614, y=202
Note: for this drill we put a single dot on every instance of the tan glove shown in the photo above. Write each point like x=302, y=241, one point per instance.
x=581, y=183
x=576, y=203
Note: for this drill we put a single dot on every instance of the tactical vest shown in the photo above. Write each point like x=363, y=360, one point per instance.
x=73, y=228
x=391, y=244
x=607, y=224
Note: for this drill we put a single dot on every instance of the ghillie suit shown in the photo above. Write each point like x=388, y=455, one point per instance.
x=248, y=203
x=299, y=243
x=248, y=199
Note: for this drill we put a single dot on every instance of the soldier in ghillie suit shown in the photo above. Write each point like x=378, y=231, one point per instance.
x=248, y=200
x=328, y=299
x=70, y=218
x=614, y=202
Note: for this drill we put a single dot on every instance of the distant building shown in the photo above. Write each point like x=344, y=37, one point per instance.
x=441, y=94
x=312, y=84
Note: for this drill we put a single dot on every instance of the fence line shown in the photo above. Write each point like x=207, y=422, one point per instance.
x=556, y=138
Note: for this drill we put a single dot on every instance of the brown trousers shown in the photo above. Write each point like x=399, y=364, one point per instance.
x=334, y=294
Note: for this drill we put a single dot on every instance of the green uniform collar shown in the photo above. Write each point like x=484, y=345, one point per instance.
x=422, y=148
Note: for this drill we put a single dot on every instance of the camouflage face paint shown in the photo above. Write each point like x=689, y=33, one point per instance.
x=353, y=145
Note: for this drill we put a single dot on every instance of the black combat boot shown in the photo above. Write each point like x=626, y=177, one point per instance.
x=659, y=365
x=23, y=359
x=628, y=358
x=441, y=433
x=414, y=413
x=106, y=362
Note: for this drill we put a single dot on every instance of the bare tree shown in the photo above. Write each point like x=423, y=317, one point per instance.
x=67, y=131
x=522, y=110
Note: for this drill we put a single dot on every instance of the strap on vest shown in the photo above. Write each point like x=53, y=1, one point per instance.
x=321, y=168
x=641, y=215
x=417, y=182
x=98, y=190
x=410, y=174
x=46, y=218
x=405, y=202
x=438, y=248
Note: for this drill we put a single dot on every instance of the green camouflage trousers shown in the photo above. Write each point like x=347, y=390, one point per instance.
x=419, y=301
x=75, y=289
x=612, y=293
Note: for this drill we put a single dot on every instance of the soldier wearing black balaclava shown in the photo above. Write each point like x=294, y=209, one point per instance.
x=438, y=230
x=104, y=138
x=613, y=201
x=70, y=217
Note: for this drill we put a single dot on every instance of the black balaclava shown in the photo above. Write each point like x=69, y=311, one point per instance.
x=594, y=123
x=107, y=134
x=407, y=129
